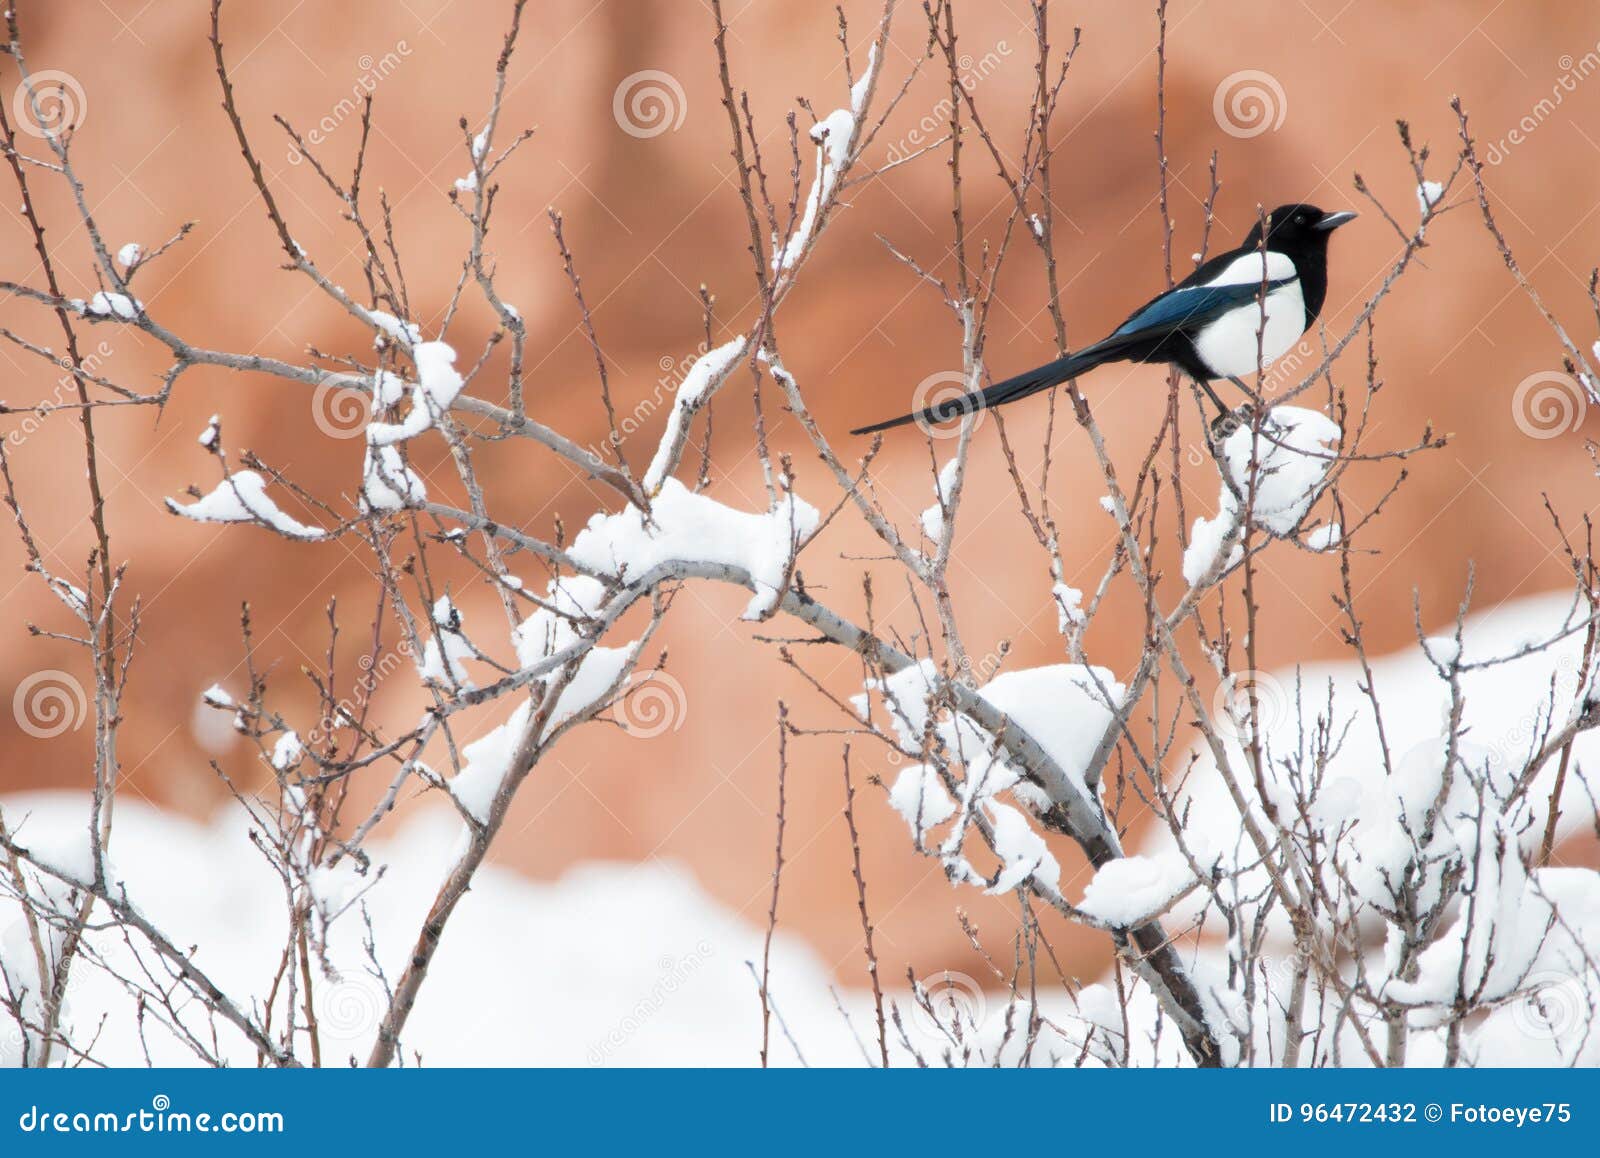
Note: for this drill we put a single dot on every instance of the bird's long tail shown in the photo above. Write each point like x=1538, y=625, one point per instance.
x=1030, y=382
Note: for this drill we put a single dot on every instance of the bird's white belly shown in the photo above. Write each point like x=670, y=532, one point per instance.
x=1235, y=343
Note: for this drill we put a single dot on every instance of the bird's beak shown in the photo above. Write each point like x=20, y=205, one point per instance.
x=1332, y=221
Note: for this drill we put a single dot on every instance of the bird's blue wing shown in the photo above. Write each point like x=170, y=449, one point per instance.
x=1192, y=306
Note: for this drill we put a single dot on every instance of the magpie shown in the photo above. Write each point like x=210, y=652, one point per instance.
x=1209, y=325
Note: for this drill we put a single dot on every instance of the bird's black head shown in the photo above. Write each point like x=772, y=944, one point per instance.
x=1297, y=228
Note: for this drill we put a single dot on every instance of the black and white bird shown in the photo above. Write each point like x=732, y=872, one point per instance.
x=1209, y=325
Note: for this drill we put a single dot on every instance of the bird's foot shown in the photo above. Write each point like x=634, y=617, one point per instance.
x=1224, y=425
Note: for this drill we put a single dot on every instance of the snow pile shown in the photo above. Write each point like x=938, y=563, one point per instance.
x=1398, y=837
x=651, y=969
x=130, y=255
x=23, y=941
x=1293, y=454
x=242, y=498
x=689, y=526
x=1416, y=819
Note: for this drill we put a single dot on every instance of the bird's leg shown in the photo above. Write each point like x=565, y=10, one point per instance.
x=1248, y=393
x=1206, y=386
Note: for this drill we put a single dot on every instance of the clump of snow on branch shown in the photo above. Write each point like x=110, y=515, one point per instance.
x=288, y=751
x=488, y=760
x=1066, y=708
x=1069, y=607
x=393, y=329
x=436, y=389
x=692, y=527
x=1292, y=456
x=1131, y=890
x=920, y=799
x=1324, y=538
x=388, y=484
x=242, y=498
x=708, y=369
x=833, y=136
x=943, y=488
x=442, y=664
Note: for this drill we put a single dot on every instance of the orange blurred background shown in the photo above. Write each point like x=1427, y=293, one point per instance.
x=650, y=219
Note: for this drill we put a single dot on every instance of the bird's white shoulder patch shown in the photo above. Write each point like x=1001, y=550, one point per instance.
x=1246, y=269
